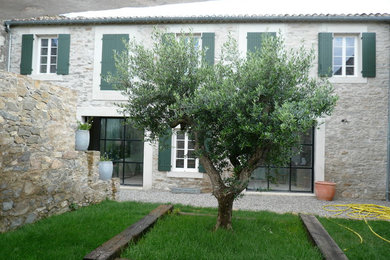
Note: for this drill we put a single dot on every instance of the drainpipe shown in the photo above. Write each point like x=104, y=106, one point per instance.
x=8, y=30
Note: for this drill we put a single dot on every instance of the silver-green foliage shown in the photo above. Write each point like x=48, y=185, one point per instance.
x=243, y=111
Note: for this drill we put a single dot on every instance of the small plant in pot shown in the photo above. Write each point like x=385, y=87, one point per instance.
x=82, y=135
x=105, y=167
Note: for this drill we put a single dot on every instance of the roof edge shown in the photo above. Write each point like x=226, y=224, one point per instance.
x=205, y=19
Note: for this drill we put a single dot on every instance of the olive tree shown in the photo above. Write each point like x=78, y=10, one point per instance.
x=243, y=111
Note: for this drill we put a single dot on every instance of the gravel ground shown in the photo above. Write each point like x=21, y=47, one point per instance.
x=280, y=203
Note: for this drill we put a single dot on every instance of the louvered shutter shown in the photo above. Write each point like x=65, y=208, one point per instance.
x=208, y=45
x=325, y=54
x=164, y=151
x=63, y=54
x=254, y=40
x=369, y=54
x=27, y=51
x=111, y=43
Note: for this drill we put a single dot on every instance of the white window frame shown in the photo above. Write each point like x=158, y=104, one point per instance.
x=173, y=154
x=39, y=54
x=357, y=57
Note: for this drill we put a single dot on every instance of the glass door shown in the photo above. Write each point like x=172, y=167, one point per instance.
x=297, y=176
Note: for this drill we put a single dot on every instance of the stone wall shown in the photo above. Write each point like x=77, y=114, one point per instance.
x=41, y=174
x=356, y=133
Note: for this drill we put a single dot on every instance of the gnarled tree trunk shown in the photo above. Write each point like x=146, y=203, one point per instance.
x=225, y=211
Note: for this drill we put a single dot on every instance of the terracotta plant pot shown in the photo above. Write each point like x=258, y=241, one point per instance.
x=325, y=190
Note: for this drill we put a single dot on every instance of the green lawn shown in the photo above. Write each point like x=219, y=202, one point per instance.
x=256, y=235
x=372, y=246
x=71, y=235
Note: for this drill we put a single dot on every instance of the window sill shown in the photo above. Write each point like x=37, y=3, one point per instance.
x=192, y=175
x=351, y=80
x=54, y=77
x=115, y=95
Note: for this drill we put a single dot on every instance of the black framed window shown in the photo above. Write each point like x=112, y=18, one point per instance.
x=297, y=176
x=123, y=144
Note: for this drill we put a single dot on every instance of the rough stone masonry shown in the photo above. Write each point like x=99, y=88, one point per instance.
x=41, y=174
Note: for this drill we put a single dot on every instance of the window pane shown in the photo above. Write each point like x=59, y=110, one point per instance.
x=180, y=144
x=44, y=42
x=180, y=135
x=43, y=69
x=53, y=68
x=190, y=164
x=337, y=51
x=306, y=138
x=301, y=179
x=54, y=42
x=191, y=145
x=350, y=51
x=134, y=151
x=179, y=153
x=114, y=150
x=303, y=159
x=350, y=61
x=43, y=51
x=337, y=61
x=103, y=128
x=132, y=169
x=191, y=154
x=350, y=71
x=43, y=59
x=53, y=51
x=338, y=41
x=114, y=128
x=179, y=163
x=53, y=60
x=350, y=41
x=134, y=134
x=337, y=70
x=278, y=179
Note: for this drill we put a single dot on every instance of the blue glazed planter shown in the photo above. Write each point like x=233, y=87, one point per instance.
x=105, y=170
x=82, y=140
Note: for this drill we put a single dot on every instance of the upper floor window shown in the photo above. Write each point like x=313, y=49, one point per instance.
x=48, y=55
x=45, y=54
x=183, y=152
x=348, y=55
x=345, y=56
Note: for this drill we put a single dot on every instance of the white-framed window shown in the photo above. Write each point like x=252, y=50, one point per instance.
x=48, y=54
x=345, y=56
x=183, y=152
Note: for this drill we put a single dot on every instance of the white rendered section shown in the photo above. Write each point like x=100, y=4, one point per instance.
x=147, y=166
x=319, y=151
x=111, y=111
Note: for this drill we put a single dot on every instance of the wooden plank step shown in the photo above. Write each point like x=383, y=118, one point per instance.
x=113, y=247
x=322, y=239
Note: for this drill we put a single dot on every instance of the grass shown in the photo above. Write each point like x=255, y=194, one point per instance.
x=256, y=235
x=372, y=246
x=71, y=235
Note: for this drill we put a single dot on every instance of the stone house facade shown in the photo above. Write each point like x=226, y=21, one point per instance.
x=350, y=147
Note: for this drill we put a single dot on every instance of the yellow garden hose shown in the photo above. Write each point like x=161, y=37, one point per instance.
x=361, y=211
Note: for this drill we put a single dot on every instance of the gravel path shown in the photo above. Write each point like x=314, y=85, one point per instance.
x=280, y=203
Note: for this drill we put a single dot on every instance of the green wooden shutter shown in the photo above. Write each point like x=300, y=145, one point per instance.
x=111, y=43
x=208, y=45
x=27, y=51
x=254, y=40
x=164, y=152
x=369, y=54
x=63, y=54
x=325, y=54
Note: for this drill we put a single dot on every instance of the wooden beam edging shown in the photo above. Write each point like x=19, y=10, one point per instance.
x=322, y=239
x=113, y=247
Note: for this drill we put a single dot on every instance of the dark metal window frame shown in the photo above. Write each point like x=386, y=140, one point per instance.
x=290, y=167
